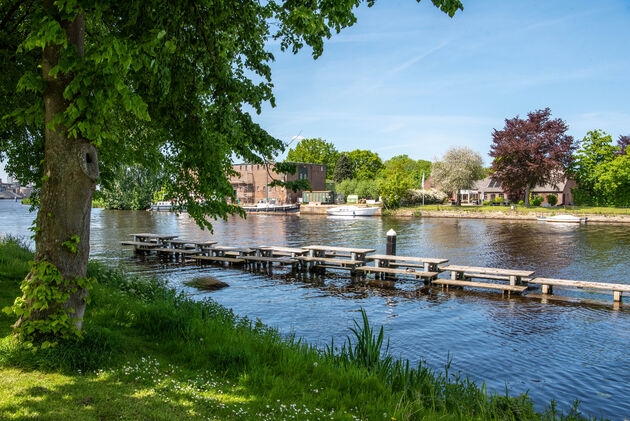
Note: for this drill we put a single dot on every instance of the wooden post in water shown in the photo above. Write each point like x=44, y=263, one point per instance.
x=391, y=242
x=391, y=247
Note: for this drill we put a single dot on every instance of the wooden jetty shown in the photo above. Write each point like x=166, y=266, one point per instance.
x=347, y=258
x=429, y=264
x=467, y=272
x=378, y=271
x=547, y=285
x=318, y=258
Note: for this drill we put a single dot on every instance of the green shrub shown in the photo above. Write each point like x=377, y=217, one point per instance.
x=347, y=187
x=521, y=203
x=536, y=200
x=552, y=199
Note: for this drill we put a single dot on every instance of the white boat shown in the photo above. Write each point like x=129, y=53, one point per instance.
x=562, y=219
x=352, y=211
x=271, y=207
x=162, y=206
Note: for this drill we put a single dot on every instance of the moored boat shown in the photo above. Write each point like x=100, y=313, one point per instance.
x=162, y=206
x=352, y=211
x=271, y=207
x=563, y=219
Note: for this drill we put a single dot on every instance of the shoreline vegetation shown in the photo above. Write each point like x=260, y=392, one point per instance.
x=599, y=214
x=149, y=352
x=516, y=212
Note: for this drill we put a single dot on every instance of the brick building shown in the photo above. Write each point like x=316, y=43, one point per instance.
x=250, y=186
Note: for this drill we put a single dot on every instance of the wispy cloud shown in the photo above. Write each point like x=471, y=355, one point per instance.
x=419, y=57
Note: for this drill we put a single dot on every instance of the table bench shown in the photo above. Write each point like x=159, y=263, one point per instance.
x=141, y=246
x=429, y=264
x=515, y=277
x=264, y=261
x=150, y=244
x=176, y=252
x=426, y=275
x=547, y=285
x=230, y=251
x=219, y=259
x=354, y=253
x=488, y=285
x=330, y=263
x=273, y=251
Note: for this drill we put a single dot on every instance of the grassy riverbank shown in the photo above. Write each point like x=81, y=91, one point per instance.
x=149, y=353
x=509, y=211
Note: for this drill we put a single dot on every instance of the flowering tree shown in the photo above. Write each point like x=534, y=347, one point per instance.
x=458, y=170
x=531, y=151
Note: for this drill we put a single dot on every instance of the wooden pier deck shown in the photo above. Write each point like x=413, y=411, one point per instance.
x=547, y=285
x=218, y=259
x=519, y=289
x=418, y=274
x=429, y=264
x=318, y=258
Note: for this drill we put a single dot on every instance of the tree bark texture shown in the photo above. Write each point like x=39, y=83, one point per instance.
x=70, y=175
x=526, y=201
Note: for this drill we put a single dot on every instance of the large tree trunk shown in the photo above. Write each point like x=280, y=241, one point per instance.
x=70, y=175
x=526, y=201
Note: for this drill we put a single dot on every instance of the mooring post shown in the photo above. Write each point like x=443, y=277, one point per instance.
x=391, y=248
x=391, y=242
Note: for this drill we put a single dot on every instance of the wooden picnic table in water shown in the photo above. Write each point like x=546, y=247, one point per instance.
x=429, y=264
x=321, y=251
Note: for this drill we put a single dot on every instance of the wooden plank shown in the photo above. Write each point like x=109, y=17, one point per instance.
x=177, y=251
x=218, y=259
x=327, y=260
x=488, y=285
x=140, y=244
x=576, y=300
x=156, y=236
x=581, y=284
x=393, y=271
x=494, y=271
x=269, y=260
x=235, y=249
x=338, y=254
x=282, y=249
x=496, y=277
x=204, y=243
x=342, y=249
x=351, y=268
x=394, y=258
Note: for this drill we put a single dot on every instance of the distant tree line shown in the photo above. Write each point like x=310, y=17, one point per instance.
x=602, y=170
x=362, y=172
x=527, y=152
x=537, y=151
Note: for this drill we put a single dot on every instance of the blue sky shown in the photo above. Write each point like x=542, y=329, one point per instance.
x=407, y=79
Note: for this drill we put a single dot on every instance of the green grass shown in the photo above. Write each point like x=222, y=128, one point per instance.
x=577, y=210
x=150, y=353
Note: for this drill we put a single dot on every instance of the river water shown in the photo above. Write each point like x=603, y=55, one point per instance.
x=556, y=350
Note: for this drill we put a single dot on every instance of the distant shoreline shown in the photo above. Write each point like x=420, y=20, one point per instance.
x=508, y=214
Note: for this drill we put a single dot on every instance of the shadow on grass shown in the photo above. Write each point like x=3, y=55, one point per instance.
x=112, y=396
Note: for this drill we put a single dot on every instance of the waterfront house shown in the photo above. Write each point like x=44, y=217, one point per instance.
x=488, y=189
x=252, y=182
